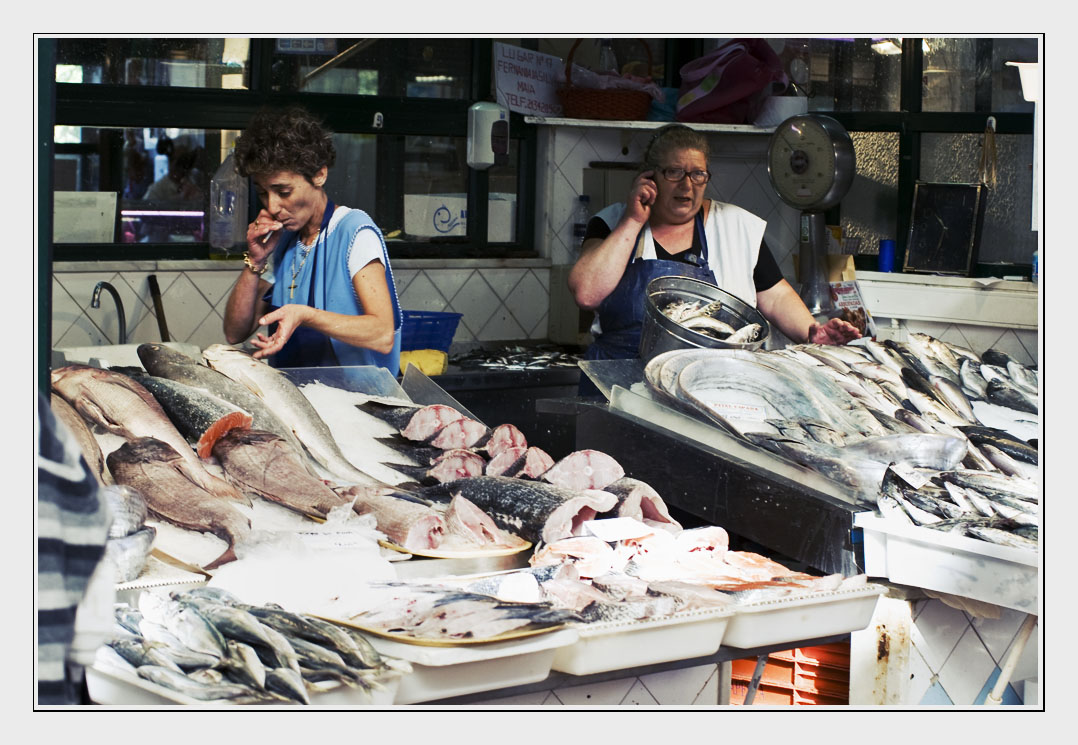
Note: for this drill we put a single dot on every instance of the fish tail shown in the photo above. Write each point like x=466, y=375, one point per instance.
x=226, y=557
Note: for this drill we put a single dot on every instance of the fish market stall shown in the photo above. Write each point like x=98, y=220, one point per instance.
x=404, y=552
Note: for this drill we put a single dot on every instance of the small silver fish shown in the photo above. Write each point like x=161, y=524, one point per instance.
x=745, y=334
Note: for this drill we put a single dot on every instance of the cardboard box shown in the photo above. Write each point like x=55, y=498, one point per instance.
x=434, y=215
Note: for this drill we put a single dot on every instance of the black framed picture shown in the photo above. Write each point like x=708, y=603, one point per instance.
x=945, y=228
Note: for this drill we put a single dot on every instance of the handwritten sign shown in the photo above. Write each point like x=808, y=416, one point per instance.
x=526, y=81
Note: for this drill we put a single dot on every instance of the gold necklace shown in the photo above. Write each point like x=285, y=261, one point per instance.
x=295, y=271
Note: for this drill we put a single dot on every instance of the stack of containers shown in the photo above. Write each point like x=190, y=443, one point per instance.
x=803, y=676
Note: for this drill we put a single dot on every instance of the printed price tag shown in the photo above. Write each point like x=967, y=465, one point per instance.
x=907, y=474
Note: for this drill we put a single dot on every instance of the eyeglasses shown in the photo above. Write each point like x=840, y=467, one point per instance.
x=676, y=174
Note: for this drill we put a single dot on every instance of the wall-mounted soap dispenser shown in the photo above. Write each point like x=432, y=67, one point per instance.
x=488, y=135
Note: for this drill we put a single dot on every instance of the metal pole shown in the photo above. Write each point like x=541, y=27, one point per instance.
x=750, y=695
x=995, y=698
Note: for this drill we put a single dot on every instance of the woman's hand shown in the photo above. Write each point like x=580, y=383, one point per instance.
x=288, y=318
x=261, y=239
x=835, y=332
x=641, y=197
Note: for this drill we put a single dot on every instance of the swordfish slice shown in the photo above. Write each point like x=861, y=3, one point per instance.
x=533, y=510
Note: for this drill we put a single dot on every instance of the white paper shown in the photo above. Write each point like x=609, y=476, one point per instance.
x=527, y=82
x=83, y=216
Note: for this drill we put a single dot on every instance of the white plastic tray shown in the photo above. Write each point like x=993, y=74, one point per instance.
x=624, y=644
x=967, y=567
x=113, y=686
x=804, y=617
x=443, y=672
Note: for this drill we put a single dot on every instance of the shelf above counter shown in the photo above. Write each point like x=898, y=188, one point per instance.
x=974, y=301
x=554, y=121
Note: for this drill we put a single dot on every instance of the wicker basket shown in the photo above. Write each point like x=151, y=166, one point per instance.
x=602, y=103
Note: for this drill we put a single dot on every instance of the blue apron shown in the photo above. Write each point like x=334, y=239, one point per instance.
x=307, y=347
x=621, y=314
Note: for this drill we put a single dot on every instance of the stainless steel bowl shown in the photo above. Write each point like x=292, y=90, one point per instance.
x=660, y=334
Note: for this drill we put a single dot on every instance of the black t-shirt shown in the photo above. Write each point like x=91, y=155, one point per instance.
x=765, y=275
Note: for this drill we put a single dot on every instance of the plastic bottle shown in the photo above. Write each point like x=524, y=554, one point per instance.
x=1036, y=266
x=581, y=215
x=228, y=206
x=608, y=61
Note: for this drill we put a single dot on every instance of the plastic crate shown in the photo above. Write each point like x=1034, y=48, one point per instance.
x=799, y=676
x=428, y=329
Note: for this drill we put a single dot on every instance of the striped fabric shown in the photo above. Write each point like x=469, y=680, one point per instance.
x=72, y=525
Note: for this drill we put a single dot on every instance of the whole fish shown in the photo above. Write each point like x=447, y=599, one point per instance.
x=76, y=425
x=1011, y=466
x=1002, y=440
x=127, y=508
x=137, y=651
x=130, y=553
x=972, y=380
x=243, y=665
x=939, y=350
x=711, y=327
x=1004, y=393
x=1002, y=537
x=265, y=464
x=232, y=622
x=289, y=683
x=185, y=622
x=158, y=472
x=996, y=357
x=1023, y=377
x=533, y=510
x=180, y=683
x=989, y=482
x=125, y=408
x=745, y=334
x=165, y=362
x=199, y=415
x=882, y=354
x=288, y=402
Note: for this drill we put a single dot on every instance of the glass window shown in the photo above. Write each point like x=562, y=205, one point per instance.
x=870, y=208
x=954, y=158
x=410, y=68
x=845, y=74
x=971, y=74
x=189, y=63
x=161, y=176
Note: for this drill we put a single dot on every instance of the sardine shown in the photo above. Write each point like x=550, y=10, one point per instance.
x=710, y=326
x=180, y=683
x=747, y=333
x=157, y=471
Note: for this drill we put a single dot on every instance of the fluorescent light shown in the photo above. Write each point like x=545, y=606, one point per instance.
x=886, y=46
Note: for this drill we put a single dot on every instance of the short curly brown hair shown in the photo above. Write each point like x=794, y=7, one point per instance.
x=289, y=139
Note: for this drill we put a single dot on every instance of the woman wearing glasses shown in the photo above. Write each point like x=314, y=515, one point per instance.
x=667, y=227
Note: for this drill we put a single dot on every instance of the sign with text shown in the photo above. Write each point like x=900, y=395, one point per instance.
x=526, y=81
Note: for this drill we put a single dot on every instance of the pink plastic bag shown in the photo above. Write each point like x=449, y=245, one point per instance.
x=728, y=85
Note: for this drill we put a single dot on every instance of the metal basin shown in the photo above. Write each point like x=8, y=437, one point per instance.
x=660, y=334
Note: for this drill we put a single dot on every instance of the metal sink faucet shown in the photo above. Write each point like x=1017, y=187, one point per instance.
x=95, y=302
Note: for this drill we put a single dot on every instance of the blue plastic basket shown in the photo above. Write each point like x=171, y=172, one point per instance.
x=428, y=329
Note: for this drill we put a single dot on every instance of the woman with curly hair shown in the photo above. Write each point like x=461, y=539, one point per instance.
x=332, y=300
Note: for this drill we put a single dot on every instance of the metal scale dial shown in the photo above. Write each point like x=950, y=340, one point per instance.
x=811, y=164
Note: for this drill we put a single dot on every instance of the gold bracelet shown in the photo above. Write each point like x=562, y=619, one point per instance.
x=251, y=265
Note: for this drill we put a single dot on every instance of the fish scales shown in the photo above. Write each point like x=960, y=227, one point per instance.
x=157, y=471
x=533, y=510
x=267, y=465
x=200, y=416
x=286, y=400
x=164, y=362
x=125, y=408
x=88, y=444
